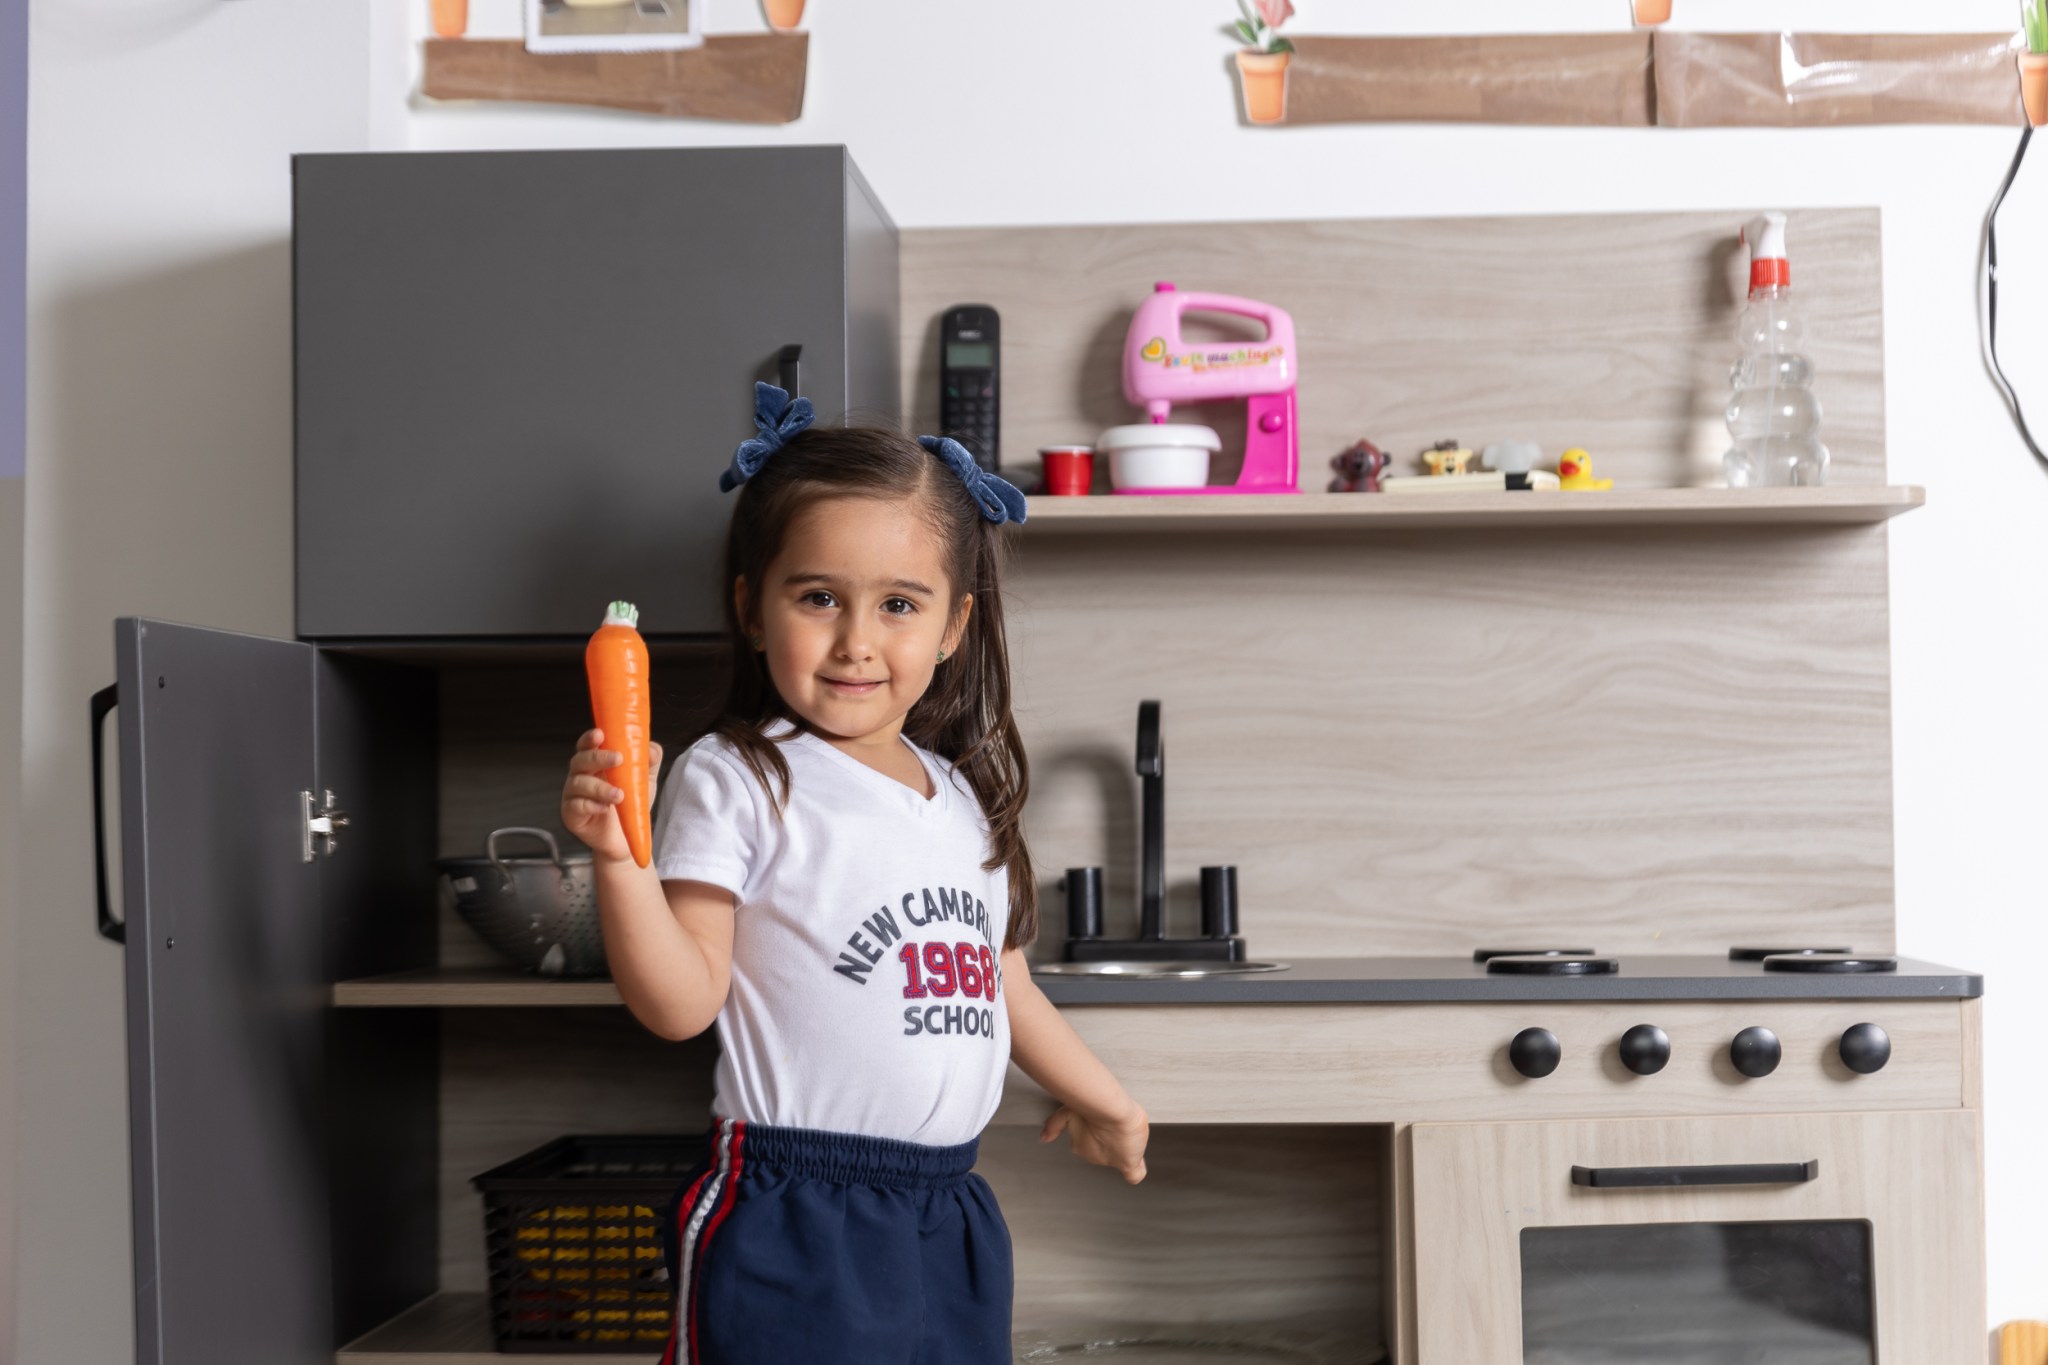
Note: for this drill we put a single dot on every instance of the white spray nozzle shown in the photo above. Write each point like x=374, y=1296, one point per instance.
x=1765, y=237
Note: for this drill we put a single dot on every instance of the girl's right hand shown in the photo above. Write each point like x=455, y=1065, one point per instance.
x=587, y=798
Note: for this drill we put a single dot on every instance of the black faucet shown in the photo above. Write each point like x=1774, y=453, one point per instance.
x=1219, y=940
x=1152, y=845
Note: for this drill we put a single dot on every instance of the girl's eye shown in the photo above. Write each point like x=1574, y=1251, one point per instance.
x=899, y=606
x=819, y=598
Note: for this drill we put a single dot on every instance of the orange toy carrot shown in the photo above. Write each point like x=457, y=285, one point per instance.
x=616, y=660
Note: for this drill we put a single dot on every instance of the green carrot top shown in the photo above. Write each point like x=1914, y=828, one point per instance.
x=621, y=614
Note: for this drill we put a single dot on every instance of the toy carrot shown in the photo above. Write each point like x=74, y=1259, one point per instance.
x=616, y=660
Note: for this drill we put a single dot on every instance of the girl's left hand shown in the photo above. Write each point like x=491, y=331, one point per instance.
x=1116, y=1143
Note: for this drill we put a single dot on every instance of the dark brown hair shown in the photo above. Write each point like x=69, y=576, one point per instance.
x=964, y=716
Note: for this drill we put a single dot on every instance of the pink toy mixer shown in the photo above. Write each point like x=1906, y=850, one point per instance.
x=1160, y=370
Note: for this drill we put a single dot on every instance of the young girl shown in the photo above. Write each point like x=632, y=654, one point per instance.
x=840, y=882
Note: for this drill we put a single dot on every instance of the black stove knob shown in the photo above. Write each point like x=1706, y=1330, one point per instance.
x=1535, y=1052
x=1755, y=1052
x=1645, y=1049
x=1865, y=1048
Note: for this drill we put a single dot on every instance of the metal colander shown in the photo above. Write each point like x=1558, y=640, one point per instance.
x=540, y=912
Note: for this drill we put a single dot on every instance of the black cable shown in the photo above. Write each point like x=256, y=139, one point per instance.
x=2012, y=398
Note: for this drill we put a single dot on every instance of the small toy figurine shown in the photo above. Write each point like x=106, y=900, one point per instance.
x=1359, y=468
x=1447, y=457
x=1575, y=473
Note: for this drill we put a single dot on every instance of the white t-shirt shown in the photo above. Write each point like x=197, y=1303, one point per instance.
x=866, y=986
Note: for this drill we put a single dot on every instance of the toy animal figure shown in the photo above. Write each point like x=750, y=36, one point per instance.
x=1447, y=457
x=1575, y=473
x=1359, y=468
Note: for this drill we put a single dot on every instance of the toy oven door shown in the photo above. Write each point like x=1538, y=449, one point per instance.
x=1821, y=1239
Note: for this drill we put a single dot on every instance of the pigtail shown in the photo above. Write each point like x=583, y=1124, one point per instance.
x=966, y=716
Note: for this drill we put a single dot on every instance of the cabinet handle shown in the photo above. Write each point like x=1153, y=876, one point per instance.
x=790, y=362
x=103, y=702
x=1638, y=1177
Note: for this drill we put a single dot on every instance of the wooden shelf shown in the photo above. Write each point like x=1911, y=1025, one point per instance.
x=448, y=1329
x=455, y=1329
x=742, y=77
x=472, y=986
x=1370, y=512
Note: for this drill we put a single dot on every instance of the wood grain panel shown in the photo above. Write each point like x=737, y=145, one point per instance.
x=743, y=77
x=1403, y=1063
x=1612, y=332
x=512, y=1080
x=506, y=734
x=1244, y=1228
x=1478, y=1185
x=1545, y=78
x=1662, y=742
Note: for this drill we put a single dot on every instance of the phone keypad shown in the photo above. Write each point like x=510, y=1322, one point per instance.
x=969, y=411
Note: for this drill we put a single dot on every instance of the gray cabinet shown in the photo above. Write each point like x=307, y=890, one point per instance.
x=519, y=374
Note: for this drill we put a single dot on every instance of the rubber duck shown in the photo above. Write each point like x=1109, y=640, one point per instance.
x=1575, y=473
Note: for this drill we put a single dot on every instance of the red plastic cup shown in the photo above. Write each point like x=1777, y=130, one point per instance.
x=1069, y=470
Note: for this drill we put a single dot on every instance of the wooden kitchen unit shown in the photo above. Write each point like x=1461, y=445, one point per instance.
x=1655, y=724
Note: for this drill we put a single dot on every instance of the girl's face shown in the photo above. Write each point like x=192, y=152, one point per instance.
x=853, y=613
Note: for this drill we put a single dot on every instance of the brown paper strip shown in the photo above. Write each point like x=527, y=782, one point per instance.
x=745, y=77
x=1803, y=80
x=1597, y=78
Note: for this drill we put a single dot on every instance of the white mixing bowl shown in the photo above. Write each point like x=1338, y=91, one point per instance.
x=1167, y=455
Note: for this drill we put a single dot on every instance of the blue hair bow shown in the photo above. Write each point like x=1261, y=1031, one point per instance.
x=778, y=418
x=997, y=497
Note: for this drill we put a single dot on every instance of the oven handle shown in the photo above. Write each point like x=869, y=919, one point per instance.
x=1641, y=1177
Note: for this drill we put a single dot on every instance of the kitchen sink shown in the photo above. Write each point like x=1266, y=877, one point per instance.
x=1142, y=971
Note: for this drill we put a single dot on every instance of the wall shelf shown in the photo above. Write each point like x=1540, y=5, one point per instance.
x=472, y=986
x=451, y=1328
x=739, y=77
x=1369, y=512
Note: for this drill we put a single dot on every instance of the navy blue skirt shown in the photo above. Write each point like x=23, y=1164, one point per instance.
x=792, y=1245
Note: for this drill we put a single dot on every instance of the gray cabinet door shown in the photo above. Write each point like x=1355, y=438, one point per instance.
x=519, y=374
x=227, y=999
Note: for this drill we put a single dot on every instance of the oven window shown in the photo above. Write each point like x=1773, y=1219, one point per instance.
x=1698, y=1294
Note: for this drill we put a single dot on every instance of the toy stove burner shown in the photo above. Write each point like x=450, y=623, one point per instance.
x=1830, y=963
x=1488, y=954
x=1551, y=962
x=1759, y=954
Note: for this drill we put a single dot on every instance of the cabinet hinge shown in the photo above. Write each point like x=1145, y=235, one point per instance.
x=322, y=826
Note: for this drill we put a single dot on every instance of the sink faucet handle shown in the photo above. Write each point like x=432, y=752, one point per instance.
x=1151, y=752
x=1219, y=901
x=1084, y=902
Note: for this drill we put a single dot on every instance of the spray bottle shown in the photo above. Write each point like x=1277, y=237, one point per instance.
x=1773, y=416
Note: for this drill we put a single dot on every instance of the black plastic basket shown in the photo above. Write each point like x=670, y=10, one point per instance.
x=573, y=1239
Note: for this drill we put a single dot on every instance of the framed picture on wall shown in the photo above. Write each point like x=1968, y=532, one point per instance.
x=613, y=25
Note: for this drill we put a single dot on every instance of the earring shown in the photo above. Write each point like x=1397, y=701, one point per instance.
x=759, y=644
x=942, y=656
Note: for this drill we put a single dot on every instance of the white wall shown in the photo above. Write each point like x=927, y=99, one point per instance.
x=1015, y=113
x=159, y=476
x=159, y=482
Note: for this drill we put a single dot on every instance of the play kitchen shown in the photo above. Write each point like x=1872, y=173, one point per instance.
x=1505, y=982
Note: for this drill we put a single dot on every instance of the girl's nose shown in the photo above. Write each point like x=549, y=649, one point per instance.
x=853, y=641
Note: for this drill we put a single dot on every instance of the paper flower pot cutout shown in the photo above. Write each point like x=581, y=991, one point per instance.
x=1264, y=78
x=2034, y=86
x=1653, y=12
x=783, y=15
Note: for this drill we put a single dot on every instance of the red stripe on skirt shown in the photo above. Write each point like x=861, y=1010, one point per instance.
x=727, y=1196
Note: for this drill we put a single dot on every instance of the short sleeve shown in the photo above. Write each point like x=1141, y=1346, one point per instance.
x=707, y=821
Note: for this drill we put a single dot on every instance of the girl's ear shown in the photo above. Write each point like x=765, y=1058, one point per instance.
x=957, y=627
x=741, y=606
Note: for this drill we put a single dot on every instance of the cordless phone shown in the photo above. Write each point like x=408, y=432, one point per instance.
x=970, y=387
